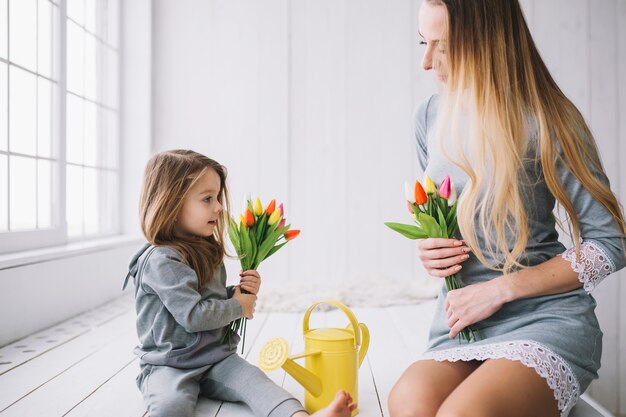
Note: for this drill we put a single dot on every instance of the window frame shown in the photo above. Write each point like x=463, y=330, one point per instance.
x=57, y=235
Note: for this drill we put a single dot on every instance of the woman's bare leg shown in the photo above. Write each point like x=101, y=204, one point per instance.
x=501, y=387
x=425, y=385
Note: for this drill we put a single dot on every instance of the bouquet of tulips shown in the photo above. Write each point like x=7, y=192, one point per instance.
x=257, y=236
x=434, y=213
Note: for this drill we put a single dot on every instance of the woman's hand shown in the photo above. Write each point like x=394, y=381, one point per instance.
x=442, y=257
x=250, y=281
x=473, y=303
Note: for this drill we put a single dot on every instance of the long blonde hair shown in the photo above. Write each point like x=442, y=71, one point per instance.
x=167, y=180
x=498, y=82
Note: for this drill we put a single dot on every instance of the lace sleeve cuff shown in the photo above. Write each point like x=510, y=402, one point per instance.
x=593, y=266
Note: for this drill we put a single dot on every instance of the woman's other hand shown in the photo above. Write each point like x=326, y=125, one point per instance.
x=473, y=303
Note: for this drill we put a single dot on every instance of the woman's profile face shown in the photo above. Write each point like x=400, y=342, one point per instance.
x=432, y=29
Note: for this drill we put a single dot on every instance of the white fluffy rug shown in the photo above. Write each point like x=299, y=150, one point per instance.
x=365, y=292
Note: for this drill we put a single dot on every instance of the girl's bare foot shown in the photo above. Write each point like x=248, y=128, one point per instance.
x=340, y=406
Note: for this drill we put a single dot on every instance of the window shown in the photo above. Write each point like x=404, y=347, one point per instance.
x=59, y=174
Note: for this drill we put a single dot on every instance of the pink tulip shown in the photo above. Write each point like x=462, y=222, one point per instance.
x=444, y=188
x=282, y=210
x=282, y=223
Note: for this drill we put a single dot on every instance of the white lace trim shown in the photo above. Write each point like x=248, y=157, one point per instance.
x=546, y=363
x=594, y=264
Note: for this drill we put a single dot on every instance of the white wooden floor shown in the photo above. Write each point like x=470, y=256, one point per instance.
x=85, y=366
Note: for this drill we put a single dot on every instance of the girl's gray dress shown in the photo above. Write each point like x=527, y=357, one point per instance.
x=556, y=335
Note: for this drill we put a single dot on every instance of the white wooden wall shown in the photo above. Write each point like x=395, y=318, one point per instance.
x=310, y=101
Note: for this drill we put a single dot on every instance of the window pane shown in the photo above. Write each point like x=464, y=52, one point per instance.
x=74, y=127
x=75, y=58
x=91, y=201
x=44, y=44
x=91, y=150
x=112, y=22
x=4, y=193
x=90, y=15
x=112, y=156
x=23, y=32
x=4, y=115
x=76, y=11
x=44, y=194
x=112, y=79
x=74, y=200
x=91, y=68
x=22, y=192
x=4, y=28
x=23, y=105
x=111, y=200
x=44, y=116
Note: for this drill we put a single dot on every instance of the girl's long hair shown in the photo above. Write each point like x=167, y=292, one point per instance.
x=499, y=85
x=167, y=180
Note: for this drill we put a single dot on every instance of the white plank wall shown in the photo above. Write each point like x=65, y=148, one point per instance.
x=310, y=102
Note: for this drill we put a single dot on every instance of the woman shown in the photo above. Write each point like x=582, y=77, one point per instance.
x=515, y=145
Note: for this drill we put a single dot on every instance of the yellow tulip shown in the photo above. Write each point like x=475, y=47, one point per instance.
x=274, y=217
x=429, y=185
x=257, y=207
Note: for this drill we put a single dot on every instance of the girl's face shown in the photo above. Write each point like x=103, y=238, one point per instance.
x=200, y=211
x=432, y=23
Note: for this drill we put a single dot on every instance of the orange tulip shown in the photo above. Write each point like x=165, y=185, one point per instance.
x=420, y=194
x=271, y=207
x=249, y=218
x=291, y=234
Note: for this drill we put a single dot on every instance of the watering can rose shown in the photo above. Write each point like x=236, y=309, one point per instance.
x=434, y=212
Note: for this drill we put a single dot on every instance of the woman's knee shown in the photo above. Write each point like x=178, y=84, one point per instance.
x=407, y=400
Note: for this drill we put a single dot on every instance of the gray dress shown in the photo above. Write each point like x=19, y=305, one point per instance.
x=556, y=335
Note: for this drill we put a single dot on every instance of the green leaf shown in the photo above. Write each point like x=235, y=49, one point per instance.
x=275, y=249
x=442, y=222
x=451, y=214
x=429, y=225
x=267, y=245
x=260, y=228
x=407, y=230
x=246, y=248
x=253, y=251
x=233, y=233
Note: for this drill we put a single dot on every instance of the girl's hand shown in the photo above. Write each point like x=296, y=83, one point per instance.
x=472, y=304
x=247, y=301
x=442, y=257
x=250, y=281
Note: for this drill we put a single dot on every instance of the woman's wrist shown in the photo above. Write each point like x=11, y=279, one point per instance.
x=507, y=288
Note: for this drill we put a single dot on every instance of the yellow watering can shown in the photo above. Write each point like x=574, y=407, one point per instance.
x=332, y=358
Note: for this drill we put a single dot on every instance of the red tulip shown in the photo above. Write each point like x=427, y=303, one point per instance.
x=249, y=218
x=271, y=207
x=420, y=194
x=291, y=234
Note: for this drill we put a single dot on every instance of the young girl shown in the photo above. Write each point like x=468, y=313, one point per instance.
x=183, y=306
x=508, y=136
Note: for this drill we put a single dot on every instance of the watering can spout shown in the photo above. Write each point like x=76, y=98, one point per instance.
x=306, y=378
x=274, y=356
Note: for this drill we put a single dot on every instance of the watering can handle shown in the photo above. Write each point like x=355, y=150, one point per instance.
x=346, y=311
